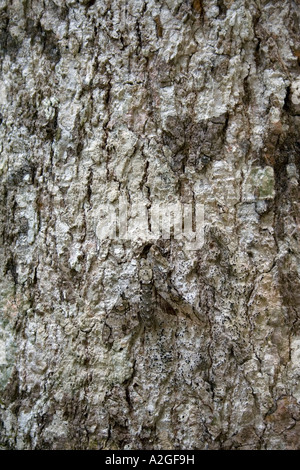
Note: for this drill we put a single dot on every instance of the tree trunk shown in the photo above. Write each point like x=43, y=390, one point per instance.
x=129, y=342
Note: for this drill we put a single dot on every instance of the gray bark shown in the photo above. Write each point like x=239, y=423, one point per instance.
x=113, y=344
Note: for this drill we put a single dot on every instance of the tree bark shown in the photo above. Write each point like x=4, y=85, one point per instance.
x=143, y=344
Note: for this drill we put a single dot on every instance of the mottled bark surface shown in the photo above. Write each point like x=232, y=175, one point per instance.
x=197, y=100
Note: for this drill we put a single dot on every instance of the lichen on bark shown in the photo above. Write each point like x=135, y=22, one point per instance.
x=113, y=344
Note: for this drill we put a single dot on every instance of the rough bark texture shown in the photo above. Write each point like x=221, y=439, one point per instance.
x=155, y=100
